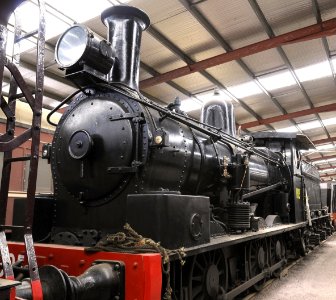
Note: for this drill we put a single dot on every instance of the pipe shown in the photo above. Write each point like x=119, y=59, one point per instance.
x=125, y=25
x=262, y=190
x=310, y=32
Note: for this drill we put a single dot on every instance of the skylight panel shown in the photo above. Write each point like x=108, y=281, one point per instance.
x=288, y=129
x=327, y=170
x=26, y=12
x=313, y=72
x=276, y=81
x=80, y=10
x=330, y=121
x=245, y=90
x=325, y=147
x=309, y=125
x=333, y=61
x=320, y=162
x=190, y=105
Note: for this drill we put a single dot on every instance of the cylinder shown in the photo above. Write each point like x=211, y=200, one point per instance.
x=125, y=25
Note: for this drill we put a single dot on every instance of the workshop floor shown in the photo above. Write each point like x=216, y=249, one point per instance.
x=312, y=278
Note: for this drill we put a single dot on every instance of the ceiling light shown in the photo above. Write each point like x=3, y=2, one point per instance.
x=79, y=10
x=327, y=170
x=324, y=161
x=320, y=162
x=245, y=89
x=325, y=147
x=277, y=81
x=288, y=129
x=190, y=105
x=313, y=72
x=24, y=12
x=330, y=121
x=54, y=25
x=333, y=61
x=309, y=125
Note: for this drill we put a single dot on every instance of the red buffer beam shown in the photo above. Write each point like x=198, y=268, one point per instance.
x=305, y=112
x=319, y=30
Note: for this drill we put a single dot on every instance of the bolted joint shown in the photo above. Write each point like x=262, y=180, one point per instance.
x=10, y=131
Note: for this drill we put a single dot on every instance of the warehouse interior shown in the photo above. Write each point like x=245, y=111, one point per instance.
x=285, y=87
x=274, y=61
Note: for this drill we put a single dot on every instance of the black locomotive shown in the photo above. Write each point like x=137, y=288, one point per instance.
x=239, y=205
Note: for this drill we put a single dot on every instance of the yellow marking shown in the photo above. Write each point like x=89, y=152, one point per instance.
x=298, y=193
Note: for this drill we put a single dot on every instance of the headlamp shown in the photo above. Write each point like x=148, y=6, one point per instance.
x=81, y=54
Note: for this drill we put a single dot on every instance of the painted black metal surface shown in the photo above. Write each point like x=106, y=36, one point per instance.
x=125, y=26
x=187, y=216
x=117, y=157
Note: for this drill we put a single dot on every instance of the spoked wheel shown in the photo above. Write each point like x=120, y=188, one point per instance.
x=257, y=261
x=300, y=243
x=277, y=249
x=208, y=276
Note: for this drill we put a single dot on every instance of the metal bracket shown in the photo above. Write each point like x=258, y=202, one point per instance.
x=123, y=170
x=125, y=116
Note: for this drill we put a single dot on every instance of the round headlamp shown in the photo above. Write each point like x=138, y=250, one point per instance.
x=78, y=46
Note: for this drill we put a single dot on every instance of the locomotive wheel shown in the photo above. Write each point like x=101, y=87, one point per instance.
x=301, y=243
x=277, y=252
x=208, y=276
x=257, y=261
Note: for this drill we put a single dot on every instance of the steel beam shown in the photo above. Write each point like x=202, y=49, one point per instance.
x=288, y=116
x=322, y=158
x=324, y=141
x=328, y=168
x=256, y=8
x=325, y=28
x=328, y=175
x=189, y=61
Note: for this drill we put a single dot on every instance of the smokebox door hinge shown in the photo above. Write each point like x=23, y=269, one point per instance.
x=122, y=170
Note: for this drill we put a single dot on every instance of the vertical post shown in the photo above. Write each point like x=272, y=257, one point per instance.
x=34, y=158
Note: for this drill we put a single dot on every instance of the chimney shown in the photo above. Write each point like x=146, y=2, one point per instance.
x=125, y=25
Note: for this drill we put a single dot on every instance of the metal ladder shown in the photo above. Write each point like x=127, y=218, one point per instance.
x=8, y=141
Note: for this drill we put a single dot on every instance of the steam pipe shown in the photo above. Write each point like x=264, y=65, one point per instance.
x=125, y=25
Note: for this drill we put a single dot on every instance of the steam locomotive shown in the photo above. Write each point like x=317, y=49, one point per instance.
x=238, y=205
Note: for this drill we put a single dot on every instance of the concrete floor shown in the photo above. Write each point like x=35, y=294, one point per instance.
x=312, y=278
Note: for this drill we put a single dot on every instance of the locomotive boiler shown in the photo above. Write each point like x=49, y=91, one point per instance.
x=237, y=204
